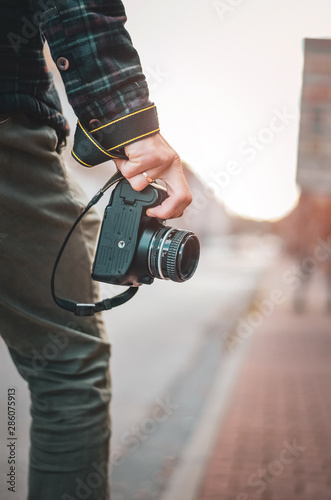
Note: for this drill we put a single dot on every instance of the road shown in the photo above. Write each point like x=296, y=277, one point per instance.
x=166, y=344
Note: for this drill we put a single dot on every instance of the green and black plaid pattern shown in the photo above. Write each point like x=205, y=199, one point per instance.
x=103, y=79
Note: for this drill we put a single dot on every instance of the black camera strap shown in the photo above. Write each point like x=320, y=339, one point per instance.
x=104, y=305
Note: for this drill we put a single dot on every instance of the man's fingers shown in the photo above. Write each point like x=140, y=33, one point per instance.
x=158, y=160
x=153, y=155
x=172, y=207
x=120, y=163
x=137, y=181
x=179, y=195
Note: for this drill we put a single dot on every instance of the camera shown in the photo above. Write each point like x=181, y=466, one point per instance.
x=134, y=248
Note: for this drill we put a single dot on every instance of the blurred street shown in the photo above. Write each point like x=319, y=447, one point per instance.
x=170, y=351
x=274, y=442
x=167, y=346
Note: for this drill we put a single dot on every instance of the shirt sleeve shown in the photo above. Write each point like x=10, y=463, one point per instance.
x=101, y=72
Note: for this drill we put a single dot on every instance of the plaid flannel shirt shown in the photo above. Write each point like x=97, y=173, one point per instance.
x=99, y=66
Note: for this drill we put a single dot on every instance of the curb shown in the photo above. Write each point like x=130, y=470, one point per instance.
x=186, y=480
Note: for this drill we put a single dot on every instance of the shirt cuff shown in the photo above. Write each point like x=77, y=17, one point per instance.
x=107, y=141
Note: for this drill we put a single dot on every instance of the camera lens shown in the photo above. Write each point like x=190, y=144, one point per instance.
x=173, y=254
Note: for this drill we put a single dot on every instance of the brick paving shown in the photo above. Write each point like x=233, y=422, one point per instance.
x=275, y=441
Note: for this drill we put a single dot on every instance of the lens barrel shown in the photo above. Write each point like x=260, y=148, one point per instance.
x=173, y=254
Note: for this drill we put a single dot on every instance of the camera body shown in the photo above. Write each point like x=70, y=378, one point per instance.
x=134, y=248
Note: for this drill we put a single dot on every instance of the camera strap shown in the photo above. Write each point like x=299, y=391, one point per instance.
x=104, y=305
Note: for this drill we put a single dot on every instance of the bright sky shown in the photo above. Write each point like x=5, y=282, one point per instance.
x=226, y=78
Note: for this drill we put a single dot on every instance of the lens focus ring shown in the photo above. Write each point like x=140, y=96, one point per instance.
x=173, y=271
x=183, y=256
x=173, y=254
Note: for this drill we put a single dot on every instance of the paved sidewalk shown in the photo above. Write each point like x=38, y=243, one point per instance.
x=274, y=442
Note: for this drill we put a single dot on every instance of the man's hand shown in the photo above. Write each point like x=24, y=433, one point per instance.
x=156, y=157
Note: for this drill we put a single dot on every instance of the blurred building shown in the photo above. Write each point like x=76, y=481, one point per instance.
x=307, y=229
x=310, y=220
x=314, y=152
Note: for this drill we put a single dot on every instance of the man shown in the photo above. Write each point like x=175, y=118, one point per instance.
x=64, y=357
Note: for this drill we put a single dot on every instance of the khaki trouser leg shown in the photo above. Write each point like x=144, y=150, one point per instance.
x=64, y=358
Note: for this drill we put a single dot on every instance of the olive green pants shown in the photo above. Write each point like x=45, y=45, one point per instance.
x=64, y=358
